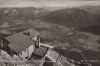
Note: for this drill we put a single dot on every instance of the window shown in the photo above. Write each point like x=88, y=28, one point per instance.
x=25, y=50
x=2, y=43
x=20, y=53
x=26, y=57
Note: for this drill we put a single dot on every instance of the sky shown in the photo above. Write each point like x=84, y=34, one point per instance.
x=48, y=3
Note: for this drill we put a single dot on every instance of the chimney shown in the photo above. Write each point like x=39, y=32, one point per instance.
x=30, y=31
x=38, y=42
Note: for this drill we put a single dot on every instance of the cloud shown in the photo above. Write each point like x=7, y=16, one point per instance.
x=47, y=3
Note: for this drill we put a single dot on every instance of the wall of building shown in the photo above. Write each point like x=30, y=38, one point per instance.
x=23, y=54
x=26, y=54
x=31, y=48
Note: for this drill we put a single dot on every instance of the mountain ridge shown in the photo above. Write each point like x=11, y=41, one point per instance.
x=73, y=17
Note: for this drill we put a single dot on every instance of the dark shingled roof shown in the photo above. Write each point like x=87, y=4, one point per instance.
x=20, y=41
x=41, y=51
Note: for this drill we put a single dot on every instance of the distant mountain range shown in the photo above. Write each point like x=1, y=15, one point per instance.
x=74, y=17
x=25, y=14
x=81, y=18
x=92, y=9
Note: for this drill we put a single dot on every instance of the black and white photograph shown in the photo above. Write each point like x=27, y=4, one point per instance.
x=49, y=32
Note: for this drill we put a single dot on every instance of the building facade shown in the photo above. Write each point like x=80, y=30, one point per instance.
x=21, y=44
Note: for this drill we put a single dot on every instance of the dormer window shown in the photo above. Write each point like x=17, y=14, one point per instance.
x=27, y=33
